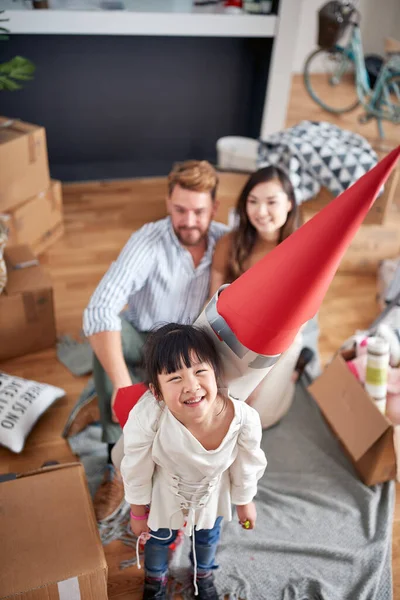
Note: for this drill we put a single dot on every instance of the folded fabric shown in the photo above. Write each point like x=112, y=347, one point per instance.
x=76, y=356
x=387, y=271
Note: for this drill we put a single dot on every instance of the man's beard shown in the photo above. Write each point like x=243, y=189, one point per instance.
x=180, y=234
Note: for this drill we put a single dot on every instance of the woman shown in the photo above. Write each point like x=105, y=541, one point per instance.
x=267, y=214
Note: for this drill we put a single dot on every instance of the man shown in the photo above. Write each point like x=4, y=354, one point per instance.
x=162, y=275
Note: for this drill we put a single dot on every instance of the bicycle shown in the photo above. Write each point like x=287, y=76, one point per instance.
x=344, y=66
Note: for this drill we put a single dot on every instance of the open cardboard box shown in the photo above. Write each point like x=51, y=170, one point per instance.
x=50, y=547
x=365, y=433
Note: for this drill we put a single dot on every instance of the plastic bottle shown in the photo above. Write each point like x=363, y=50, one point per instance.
x=377, y=371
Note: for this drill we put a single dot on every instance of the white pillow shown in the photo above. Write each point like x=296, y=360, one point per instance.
x=22, y=402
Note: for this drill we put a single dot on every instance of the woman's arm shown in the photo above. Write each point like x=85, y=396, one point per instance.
x=220, y=262
x=216, y=280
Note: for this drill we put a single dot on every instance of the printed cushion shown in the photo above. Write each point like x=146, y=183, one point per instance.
x=22, y=402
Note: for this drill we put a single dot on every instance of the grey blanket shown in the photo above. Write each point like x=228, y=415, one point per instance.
x=321, y=534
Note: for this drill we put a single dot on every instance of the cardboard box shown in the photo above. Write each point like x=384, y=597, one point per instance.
x=50, y=544
x=24, y=170
x=48, y=239
x=27, y=322
x=34, y=222
x=366, y=434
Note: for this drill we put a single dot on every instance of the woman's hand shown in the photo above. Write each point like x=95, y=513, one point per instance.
x=247, y=515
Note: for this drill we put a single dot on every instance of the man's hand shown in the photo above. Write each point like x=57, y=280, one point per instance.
x=247, y=515
x=125, y=383
x=107, y=346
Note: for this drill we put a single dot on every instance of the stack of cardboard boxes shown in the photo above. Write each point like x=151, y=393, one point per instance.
x=53, y=549
x=31, y=201
x=31, y=205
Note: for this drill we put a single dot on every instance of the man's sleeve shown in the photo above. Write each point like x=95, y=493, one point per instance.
x=125, y=276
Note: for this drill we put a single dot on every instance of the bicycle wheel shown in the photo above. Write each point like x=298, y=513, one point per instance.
x=330, y=80
x=389, y=100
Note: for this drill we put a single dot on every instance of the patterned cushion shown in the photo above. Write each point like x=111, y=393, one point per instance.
x=316, y=154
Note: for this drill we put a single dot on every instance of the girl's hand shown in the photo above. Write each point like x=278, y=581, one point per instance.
x=247, y=515
x=139, y=527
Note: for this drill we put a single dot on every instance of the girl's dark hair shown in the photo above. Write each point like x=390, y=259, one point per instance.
x=172, y=346
x=245, y=235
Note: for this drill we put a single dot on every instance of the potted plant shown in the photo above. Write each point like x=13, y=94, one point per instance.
x=16, y=70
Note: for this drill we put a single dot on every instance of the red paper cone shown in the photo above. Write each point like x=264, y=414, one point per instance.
x=268, y=304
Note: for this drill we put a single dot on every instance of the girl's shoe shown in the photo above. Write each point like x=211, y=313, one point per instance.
x=206, y=587
x=155, y=589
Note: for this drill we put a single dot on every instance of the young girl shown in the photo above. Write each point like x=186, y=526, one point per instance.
x=189, y=452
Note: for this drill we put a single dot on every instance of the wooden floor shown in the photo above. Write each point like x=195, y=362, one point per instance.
x=99, y=218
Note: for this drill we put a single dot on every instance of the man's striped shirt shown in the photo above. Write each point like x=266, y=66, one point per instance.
x=155, y=277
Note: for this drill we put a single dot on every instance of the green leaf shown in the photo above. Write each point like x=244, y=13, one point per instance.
x=18, y=68
x=7, y=84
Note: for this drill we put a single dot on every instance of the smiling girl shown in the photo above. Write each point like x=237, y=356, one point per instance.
x=190, y=451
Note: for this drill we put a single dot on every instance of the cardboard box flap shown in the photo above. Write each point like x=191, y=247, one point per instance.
x=24, y=271
x=11, y=129
x=56, y=467
x=352, y=415
x=47, y=519
x=18, y=257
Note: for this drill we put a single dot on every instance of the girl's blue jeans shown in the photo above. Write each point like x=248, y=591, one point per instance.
x=156, y=551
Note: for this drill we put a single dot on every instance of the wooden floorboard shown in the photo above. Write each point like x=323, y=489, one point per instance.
x=99, y=217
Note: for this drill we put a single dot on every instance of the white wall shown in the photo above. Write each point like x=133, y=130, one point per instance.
x=379, y=19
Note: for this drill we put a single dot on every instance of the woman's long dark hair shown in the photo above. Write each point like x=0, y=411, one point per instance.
x=244, y=237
